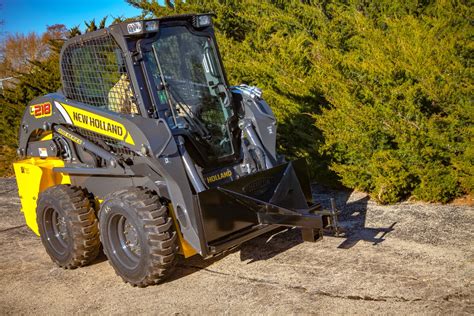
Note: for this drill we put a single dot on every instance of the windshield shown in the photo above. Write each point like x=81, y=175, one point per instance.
x=195, y=87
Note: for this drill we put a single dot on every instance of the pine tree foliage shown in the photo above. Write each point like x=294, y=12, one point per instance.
x=378, y=91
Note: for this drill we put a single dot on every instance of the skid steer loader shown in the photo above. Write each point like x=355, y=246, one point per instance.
x=147, y=151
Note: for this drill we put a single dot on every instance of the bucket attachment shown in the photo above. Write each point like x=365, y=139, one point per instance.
x=278, y=196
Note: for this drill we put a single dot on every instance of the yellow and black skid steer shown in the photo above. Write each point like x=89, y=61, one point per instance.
x=147, y=151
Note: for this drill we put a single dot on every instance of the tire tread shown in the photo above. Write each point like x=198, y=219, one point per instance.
x=160, y=234
x=80, y=214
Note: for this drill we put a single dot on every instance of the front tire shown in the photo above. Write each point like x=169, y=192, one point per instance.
x=138, y=236
x=68, y=226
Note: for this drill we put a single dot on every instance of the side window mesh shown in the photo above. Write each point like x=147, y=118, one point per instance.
x=94, y=73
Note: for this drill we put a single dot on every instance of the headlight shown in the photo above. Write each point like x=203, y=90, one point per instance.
x=135, y=27
x=140, y=27
x=202, y=21
x=151, y=26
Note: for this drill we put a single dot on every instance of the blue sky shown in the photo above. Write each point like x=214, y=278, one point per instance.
x=25, y=16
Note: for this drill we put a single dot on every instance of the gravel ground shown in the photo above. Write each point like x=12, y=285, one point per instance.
x=408, y=258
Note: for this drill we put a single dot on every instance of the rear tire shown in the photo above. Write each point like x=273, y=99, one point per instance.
x=138, y=236
x=68, y=226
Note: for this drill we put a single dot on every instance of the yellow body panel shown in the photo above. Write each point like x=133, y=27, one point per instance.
x=47, y=136
x=33, y=176
x=184, y=246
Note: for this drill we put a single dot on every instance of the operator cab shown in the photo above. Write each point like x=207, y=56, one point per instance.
x=186, y=84
x=170, y=69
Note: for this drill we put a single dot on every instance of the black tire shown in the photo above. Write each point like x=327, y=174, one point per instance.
x=68, y=226
x=138, y=236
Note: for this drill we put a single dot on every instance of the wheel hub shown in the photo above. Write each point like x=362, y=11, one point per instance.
x=131, y=238
x=61, y=228
x=56, y=230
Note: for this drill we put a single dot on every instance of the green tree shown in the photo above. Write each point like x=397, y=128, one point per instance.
x=379, y=92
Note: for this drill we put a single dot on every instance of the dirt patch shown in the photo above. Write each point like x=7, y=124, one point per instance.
x=400, y=259
x=467, y=200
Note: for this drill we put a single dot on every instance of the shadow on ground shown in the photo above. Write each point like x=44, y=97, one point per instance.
x=352, y=219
